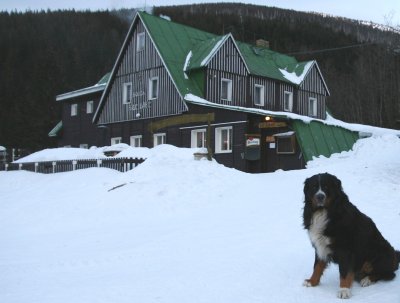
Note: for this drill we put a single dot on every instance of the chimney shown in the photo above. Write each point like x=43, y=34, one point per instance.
x=261, y=43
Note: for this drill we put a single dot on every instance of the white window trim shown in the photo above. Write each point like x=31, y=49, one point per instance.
x=262, y=95
x=218, y=139
x=312, y=107
x=229, y=87
x=125, y=96
x=74, y=109
x=290, y=108
x=140, y=37
x=116, y=140
x=133, y=138
x=89, y=107
x=151, y=81
x=194, y=133
x=155, y=136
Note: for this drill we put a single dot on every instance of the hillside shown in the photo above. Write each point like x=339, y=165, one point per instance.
x=40, y=61
x=179, y=230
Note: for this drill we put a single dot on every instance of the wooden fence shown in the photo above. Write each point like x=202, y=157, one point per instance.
x=50, y=167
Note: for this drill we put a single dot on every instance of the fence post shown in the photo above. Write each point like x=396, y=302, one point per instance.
x=54, y=163
x=74, y=162
x=99, y=162
x=20, y=166
x=36, y=166
x=6, y=167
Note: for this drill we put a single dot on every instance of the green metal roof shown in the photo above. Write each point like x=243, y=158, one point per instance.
x=55, y=130
x=316, y=138
x=175, y=41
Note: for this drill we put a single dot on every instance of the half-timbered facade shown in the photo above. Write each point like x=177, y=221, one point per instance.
x=182, y=86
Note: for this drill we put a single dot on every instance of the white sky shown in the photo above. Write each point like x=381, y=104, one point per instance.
x=369, y=10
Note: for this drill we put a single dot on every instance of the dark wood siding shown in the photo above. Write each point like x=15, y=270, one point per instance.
x=227, y=64
x=138, y=67
x=79, y=129
x=269, y=92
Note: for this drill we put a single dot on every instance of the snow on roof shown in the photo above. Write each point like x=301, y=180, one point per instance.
x=372, y=130
x=215, y=48
x=187, y=62
x=293, y=77
x=2, y=148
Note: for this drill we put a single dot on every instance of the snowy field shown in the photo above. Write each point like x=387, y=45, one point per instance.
x=179, y=230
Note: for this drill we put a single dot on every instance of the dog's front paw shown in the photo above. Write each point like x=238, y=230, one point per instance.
x=344, y=293
x=366, y=282
x=309, y=283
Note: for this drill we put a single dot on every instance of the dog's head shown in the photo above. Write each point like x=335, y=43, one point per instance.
x=321, y=190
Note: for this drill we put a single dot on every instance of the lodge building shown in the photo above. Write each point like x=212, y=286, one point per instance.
x=255, y=110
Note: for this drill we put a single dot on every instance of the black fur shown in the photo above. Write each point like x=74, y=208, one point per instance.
x=355, y=243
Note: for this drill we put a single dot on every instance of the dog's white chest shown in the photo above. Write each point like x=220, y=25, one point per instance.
x=316, y=233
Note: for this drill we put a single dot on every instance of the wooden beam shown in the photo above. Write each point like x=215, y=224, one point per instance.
x=181, y=119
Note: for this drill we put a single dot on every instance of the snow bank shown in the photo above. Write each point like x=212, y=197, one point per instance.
x=178, y=230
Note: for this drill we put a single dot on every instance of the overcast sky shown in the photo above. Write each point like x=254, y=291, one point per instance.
x=379, y=11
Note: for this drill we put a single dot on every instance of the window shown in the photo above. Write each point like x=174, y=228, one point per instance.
x=286, y=143
x=223, y=140
x=140, y=42
x=74, y=109
x=288, y=101
x=259, y=94
x=153, y=88
x=116, y=140
x=159, y=139
x=226, y=89
x=198, y=138
x=84, y=145
x=127, y=93
x=89, y=107
x=136, y=141
x=312, y=107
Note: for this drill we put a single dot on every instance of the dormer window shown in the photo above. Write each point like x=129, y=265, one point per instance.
x=226, y=89
x=312, y=107
x=89, y=107
x=127, y=93
x=259, y=95
x=140, y=42
x=288, y=101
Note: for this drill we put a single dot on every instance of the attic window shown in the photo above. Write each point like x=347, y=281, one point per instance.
x=312, y=107
x=127, y=93
x=226, y=89
x=288, y=101
x=140, y=42
x=259, y=94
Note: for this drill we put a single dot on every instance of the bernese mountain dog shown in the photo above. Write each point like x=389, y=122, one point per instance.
x=341, y=234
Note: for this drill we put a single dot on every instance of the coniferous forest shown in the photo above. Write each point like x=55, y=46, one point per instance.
x=47, y=53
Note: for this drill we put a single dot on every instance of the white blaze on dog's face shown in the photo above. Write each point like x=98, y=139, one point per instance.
x=321, y=189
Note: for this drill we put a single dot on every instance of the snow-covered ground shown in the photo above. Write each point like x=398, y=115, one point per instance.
x=179, y=230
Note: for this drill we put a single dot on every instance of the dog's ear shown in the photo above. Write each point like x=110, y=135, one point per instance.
x=306, y=184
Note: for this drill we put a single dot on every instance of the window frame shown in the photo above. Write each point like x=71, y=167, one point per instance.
x=229, y=89
x=89, y=107
x=290, y=104
x=218, y=140
x=125, y=93
x=74, y=109
x=136, y=137
x=194, y=138
x=151, y=85
x=312, y=107
x=115, y=139
x=261, y=95
x=141, y=41
x=158, y=135
x=292, y=139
